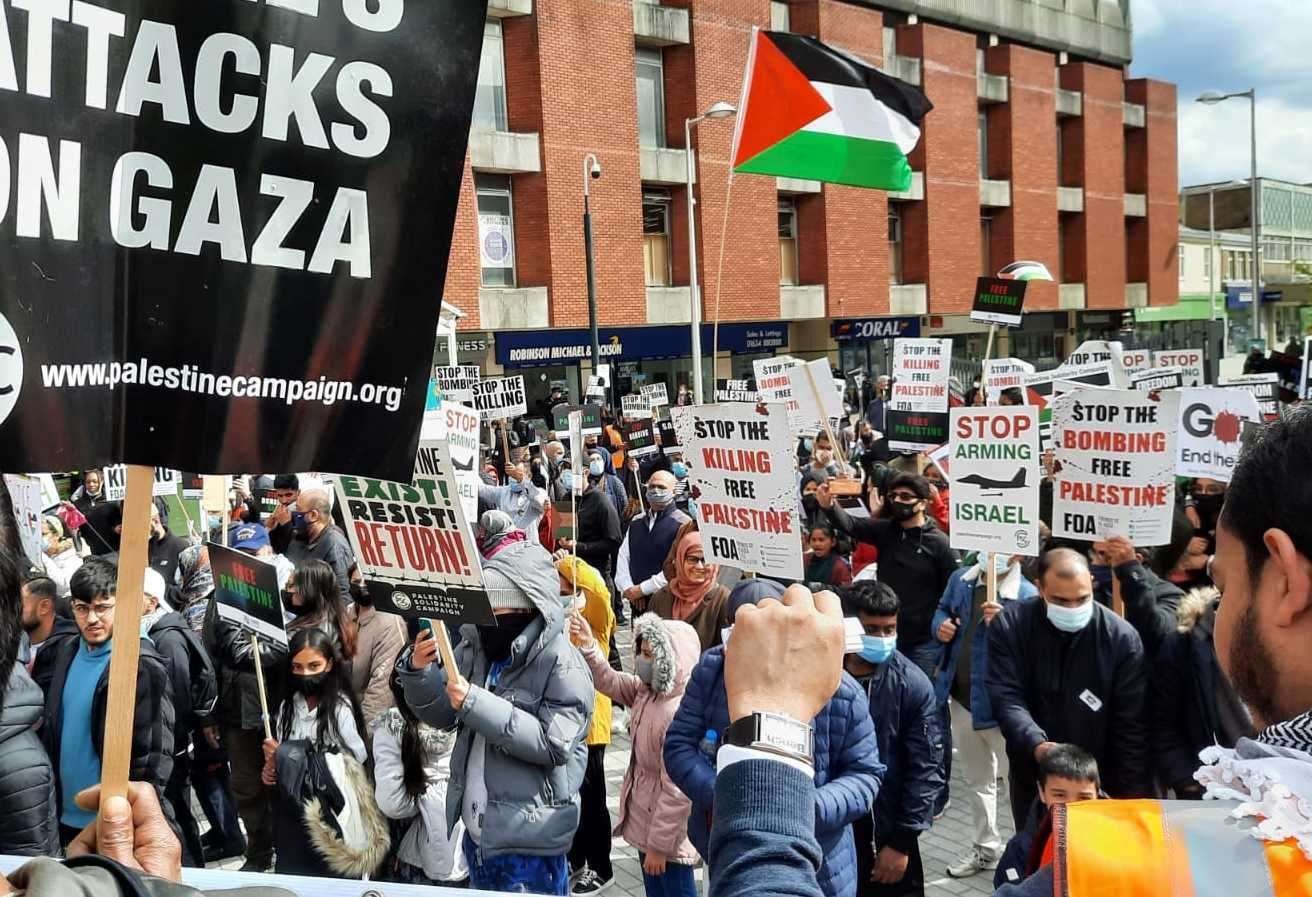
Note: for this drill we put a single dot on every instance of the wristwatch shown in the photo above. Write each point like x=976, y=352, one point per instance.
x=775, y=734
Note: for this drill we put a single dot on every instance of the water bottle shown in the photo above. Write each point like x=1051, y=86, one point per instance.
x=710, y=744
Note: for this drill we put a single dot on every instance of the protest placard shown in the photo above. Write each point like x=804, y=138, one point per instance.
x=736, y=391
x=818, y=399
x=656, y=394
x=995, y=480
x=596, y=389
x=639, y=439
x=774, y=386
x=635, y=407
x=500, y=398
x=25, y=494
x=1264, y=387
x=49, y=491
x=413, y=544
x=1041, y=389
x=917, y=414
x=669, y=435
x=116, y=482
x=1304, y=383
x=999, y=301
x=1191, y=360
x=1154, y=379
x=1211, y=430
x=574, y=429
x=1004, y=373
x=745, y=481
x=591, y=418
x=1135, y=360
x=457, y=382
x=1115, y=454
x=460, y=426
x=199, y=260
x=246, y=592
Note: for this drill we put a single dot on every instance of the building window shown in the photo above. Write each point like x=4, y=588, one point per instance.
x=656, y=237
x=986, y=246
x=1207, y=263
x=496, y=229
x=780, y=19
x=1180, y=260
x=788, y=242
x=651, y=97
x=1063, y=224
x=983, y=143
x=490, y=98
x=894, y=244
x=890, y=45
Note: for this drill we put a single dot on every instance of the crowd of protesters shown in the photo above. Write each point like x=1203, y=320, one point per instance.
x=381, y=762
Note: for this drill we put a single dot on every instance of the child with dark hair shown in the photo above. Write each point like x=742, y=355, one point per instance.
x=412, y=767
x=1067, y=774
x=824, y=565
x=318, y=729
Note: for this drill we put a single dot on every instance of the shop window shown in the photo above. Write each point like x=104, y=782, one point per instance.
x=496, y=229
x=656, y=237
x=651, y=97
x=788, y=242
x=490, y=97
x=894, y=244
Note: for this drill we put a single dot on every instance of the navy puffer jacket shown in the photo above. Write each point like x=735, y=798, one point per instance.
x=27, y=780
x=847, y=767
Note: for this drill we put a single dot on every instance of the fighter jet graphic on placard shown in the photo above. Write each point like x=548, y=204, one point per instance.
x=987, y=483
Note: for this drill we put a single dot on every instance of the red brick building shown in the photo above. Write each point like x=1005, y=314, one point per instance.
x=1038, y=147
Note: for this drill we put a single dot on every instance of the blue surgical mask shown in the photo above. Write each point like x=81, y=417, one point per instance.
x=516, y=487
x=877, y=648
x=679, y=469
x=1070, y=619
x=596, y=467
x=567, y=477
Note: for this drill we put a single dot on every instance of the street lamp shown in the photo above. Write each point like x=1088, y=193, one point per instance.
x=1211, y=98
x=591, y=172
x=717, y=111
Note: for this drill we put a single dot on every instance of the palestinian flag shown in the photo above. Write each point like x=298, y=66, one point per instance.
x=810, y=111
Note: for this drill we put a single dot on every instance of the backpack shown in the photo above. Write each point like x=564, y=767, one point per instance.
x=204, y=683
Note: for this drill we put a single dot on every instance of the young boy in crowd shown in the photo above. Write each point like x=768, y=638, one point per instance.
x=1067, y=773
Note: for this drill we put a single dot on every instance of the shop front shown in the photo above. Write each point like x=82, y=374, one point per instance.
x=637, y=356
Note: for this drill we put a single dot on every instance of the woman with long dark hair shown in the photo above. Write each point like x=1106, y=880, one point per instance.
x=412, y=768
x=313, y=596
x=318, y=738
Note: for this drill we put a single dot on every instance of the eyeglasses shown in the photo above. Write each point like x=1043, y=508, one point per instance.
x=100, y=610
x=697, y=561
x=909, y=497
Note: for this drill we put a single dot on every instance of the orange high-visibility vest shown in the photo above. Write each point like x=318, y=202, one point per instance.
x=1149, y=848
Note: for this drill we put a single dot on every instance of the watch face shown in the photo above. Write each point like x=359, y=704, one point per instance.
x=784, y=734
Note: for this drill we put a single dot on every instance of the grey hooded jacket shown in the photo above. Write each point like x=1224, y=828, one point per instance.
x=27, y=781
x=534, y=721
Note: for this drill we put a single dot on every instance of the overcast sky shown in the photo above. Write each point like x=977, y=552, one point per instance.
x=1231, y=45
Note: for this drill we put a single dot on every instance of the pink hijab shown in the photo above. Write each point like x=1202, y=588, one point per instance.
x=688, y=594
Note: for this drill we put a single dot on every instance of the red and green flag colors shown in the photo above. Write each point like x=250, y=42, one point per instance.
x=810, y=111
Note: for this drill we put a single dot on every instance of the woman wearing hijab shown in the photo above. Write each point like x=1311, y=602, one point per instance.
x=693, y=595
x=195, y=582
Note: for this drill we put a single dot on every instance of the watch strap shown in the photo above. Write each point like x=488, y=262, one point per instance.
x=753, y=731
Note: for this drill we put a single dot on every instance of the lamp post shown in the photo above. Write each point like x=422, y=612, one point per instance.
x=719, y=110
x=1211, y=98
x=591, y=172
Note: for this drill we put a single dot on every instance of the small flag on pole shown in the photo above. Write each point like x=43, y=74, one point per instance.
x=812, y=112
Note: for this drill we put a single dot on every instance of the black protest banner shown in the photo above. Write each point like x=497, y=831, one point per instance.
x=736, y=391
x=412, y=542
x=1154, y=379
x=228, y=221
x=246, y=592
x=999, y=301
x=1264, y=387
x=669, y=436
x=591, y=419
x=639, y=440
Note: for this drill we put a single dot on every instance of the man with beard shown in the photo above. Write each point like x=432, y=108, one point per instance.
x=1263, y=569
x=317, y=538
x=164, y=547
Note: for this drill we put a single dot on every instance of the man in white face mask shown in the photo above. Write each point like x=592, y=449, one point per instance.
x=1067, y=669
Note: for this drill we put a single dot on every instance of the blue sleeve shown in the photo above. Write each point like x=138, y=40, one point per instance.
x=1006, y=693
x=922, y=762
x=763, y=839
x=947, y=605
x=687, y=766
x=1040, y=884
x=855, y=775
x=1013, y=861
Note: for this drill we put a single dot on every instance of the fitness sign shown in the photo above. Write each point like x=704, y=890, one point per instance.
x=219, y=223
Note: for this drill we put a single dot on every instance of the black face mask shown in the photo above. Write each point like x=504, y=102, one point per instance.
x=297, y=610
x=902, y=510
x=498, y=639
x=1209, y=505
x=810, y=504
x=310, y=686
x=867, y=438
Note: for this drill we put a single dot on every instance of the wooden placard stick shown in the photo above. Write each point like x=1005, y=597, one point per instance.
x=259, y=682
x=444, y=648
x=988, y=349
x=505, y=447
x=992, y=580
x=121, y=709
x=1118, y=603
x=824, y=418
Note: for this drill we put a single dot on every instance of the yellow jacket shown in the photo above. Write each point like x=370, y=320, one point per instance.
x=600, y=615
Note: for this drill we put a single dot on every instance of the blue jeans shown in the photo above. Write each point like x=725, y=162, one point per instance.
x=516, y=873
x=677, y=880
